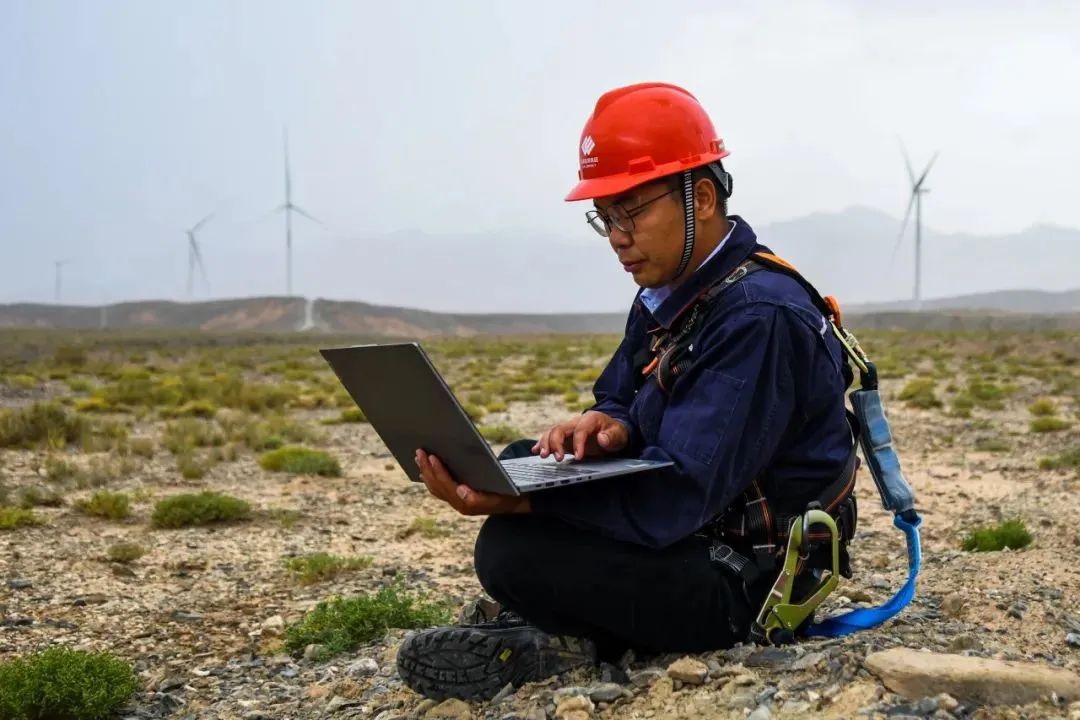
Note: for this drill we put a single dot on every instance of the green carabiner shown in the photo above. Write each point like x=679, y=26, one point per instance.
x=779, y=616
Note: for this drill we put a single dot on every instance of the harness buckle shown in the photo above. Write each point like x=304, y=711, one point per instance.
x=779, y=616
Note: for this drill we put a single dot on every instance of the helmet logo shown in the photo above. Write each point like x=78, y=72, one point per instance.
x=587, y=145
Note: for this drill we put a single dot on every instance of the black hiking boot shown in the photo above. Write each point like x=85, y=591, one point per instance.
x=475, y=662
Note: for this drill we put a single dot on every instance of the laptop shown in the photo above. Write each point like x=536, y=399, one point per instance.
x=410, y=406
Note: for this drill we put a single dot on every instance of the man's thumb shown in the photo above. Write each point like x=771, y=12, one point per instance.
x=604, y=438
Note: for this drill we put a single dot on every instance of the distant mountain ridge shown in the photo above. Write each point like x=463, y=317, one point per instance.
x=1012, y=309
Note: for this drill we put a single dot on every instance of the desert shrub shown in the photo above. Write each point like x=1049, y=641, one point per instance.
x=64, y=684
x=344, y=624
x=125, y=552
x=475, y=412
x=427, y=527
x=110, y=505
x=987, y=394
x=348, y=415
x=79, y=385
x=499, y=433
x=919, y=393
x=93, y=405
x=36, y=496
x=187, y=433
x=1012, y=534
x=991, y=444
x=1070, y=459
x=41, y=425
x=1042, y=407
x=316, y=567
x=192, y=408
x=194, y=509
x=301, y=461
x=1049, y=424
x=15, y=517
x=285, y=517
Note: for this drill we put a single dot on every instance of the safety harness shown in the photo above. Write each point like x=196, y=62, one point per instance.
x=768, y=527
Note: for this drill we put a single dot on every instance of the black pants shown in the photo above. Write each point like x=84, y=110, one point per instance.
x=571, y=582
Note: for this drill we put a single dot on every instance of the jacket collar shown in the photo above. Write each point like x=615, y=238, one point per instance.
x=738, y=247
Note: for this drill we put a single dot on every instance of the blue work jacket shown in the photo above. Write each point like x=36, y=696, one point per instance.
x=763, y=398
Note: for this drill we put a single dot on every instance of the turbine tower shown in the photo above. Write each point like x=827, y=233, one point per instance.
x=195, y=257
x=289, y=209
x=59, y=266
x=918, y=189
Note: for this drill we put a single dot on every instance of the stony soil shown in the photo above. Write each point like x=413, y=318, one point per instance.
x=192, y=614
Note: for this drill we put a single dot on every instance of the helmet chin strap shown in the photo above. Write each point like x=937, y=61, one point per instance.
x=688, y=216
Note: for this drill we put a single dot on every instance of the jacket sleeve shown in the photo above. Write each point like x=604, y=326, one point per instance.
x=723, y=423
x=614, y=389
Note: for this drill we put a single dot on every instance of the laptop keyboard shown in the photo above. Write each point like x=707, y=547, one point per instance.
x=528, y=474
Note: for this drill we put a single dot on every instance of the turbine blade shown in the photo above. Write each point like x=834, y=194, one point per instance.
x=201, y=223
x=903, y=227
x=288, y=180
x=926, y=171
x=907, y=161
x=308, y=215
x=199, y=260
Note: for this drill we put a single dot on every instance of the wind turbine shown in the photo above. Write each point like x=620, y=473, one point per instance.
x=918, y=189
x=59, y=266
x=289, y=209
x=194, y=257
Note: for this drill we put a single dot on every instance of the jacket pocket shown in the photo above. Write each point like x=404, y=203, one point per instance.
x=696, y=426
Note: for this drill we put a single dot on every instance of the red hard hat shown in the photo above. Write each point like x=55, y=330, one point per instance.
x=639, y=133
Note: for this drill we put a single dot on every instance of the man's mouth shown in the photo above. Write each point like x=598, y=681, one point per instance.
x=633, y=266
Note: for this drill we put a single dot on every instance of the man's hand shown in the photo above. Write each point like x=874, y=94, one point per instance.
x=591, y=434
x=462, y=497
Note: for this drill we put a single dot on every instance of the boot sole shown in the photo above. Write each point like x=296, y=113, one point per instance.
x=476, y=663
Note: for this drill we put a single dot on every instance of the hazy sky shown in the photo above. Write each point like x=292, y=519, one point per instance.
x=122, y=123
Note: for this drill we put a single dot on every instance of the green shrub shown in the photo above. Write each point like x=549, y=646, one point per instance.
x=93, y=405
x=1049, y=424
x=301, y=461
x=193, y=408
x=142, y=446
x=920, y=393
x=69, y=355
x=349, y=415
x=187, y=433
x=1010, y=534
x=59, y=470
x=285, y=517
x=79, y=385
x=316, y=567
x=987, y=394
x=1042, y=407
x=193, y=509
x=114, y=506
x=499, y=433
x=1070, y=459
x=35, y=496
x=41, y=424
x=991, y=444
x=13, y=517
x=64, y=684
x=962, y=405
x=475, y=412
x=189, y=467
x=344, y=624
x=427, y=527
x=496, y=406
x=125, y=552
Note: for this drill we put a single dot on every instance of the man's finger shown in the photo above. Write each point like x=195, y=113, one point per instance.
x=581, y=436
x=616, y=436
x=558, y=441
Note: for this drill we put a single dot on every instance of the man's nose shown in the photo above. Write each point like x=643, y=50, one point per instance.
x=619, y=239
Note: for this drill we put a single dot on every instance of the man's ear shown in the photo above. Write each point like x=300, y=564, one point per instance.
x=705, y=199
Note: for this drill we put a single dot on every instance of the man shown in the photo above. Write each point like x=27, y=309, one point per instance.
x=726, y=371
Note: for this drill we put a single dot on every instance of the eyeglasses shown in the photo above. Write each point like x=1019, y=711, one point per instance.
x=618, y=216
